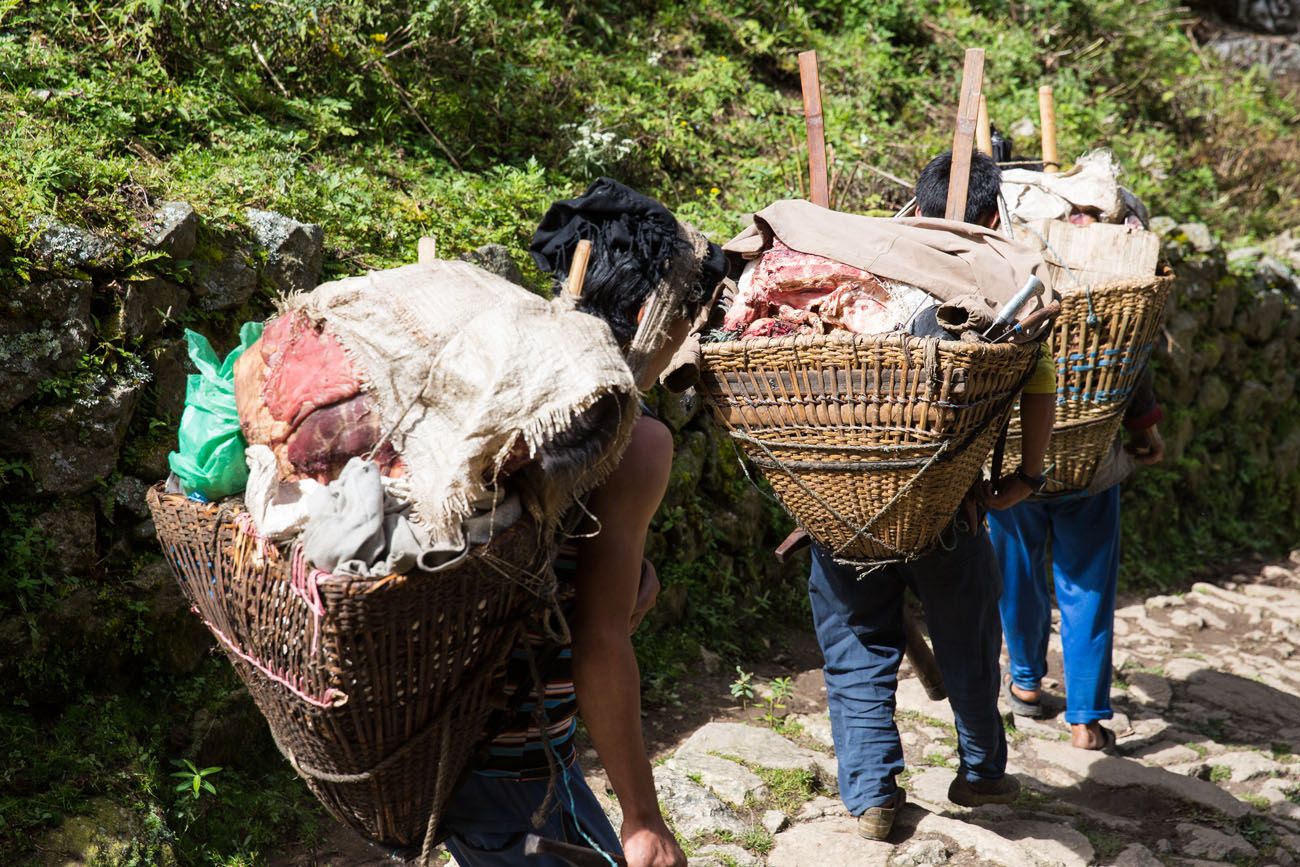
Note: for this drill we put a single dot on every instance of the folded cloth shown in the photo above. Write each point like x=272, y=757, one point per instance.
x=278, y=509
x=1091, y=187
x=461, y=366
x=346, y=522
x=946, y=259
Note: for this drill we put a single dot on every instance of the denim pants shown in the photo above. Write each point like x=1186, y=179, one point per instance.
x=488, y=818
x=1082, y=534
x=858, y=619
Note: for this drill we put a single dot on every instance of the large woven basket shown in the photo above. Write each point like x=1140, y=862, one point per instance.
x=377, y=691
x=870, y=442
x=1102, y=340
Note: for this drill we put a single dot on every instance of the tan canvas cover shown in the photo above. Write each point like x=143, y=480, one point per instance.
x=462, y=363
x=956, y=262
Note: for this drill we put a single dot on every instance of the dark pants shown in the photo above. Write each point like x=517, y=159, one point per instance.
x=488, y=818
x=859, y=626
x=1082, y=534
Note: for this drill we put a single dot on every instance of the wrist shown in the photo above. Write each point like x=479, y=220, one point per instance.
x=652, y=821
x=1034, y=482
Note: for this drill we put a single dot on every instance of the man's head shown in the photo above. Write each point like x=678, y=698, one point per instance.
x=981, y=195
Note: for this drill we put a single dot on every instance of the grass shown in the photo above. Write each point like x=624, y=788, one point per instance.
x=1220, y=773
x=788, y=789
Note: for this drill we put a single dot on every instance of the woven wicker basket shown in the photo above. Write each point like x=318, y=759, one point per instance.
x=870, y=442
x=377, y=691
x=1102, y=340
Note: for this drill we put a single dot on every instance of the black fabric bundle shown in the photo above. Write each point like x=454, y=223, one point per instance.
x=634, y=240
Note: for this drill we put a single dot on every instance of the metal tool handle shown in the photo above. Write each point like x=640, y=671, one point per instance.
x=578, y=856
x=1009, y=310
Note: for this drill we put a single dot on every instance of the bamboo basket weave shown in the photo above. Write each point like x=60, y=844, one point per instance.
x=1101, y=341
x=376, y=690
x=870, y=442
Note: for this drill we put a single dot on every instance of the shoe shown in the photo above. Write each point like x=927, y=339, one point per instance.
x=1020, y=707
x=877, y=822
x=968, y=794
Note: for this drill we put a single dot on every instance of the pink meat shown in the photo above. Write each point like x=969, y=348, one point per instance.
x=306, y=369
x=327, y=437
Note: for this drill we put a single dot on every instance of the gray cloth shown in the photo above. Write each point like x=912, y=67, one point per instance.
x=347, y=518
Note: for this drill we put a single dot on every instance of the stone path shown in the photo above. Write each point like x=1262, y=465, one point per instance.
x=1206, y=771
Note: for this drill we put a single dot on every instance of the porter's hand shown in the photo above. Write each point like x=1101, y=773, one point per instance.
x=647, y=593
x=1011, y=490
x=651, y=845
x=1147, y=446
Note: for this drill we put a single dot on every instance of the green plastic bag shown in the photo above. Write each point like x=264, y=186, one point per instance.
x=210, y=460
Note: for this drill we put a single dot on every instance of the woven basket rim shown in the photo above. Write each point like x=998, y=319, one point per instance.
x=849, y=338
x=1118, y=285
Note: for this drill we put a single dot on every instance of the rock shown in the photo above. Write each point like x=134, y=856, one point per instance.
x=223, y=276
x=724, y=855
x=828, y=841
x=1214, y=396
x=929, y=788
x=732, y=782
x=496, y=259
x=816, y=726
x=44, y=329
x=173, y=230
x=1263, y=17
x=1165, y=754
x=1115, y=771
x=127, y=493
x=107, y=834
x=1184, y=619
x=73, y=445
x=147, y=306
x=693, y=809
x=918, y=852
x=178, y=640
x=230, y=732
x=759, y=746
x=911, y=697
x=1199, y=841
x=1135, y=855
x=712, y=662
x=1048, y=843
x=1247, y=765
x=989, y=847
x=62, y=246
x=293, y=250
x=70, y=529
x=1151, y=690
x=1198, y=235
x=169, y=366
x=774, y=821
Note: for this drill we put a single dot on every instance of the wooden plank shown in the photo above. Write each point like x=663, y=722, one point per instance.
x=818, y=190
x=972, y=82
x=1047, y=117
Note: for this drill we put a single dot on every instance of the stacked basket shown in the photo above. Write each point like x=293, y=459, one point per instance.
x=870, y=442
x=377, y=690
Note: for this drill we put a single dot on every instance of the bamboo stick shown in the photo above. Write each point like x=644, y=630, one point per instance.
x=983, y=129
x=578, y=268
x=818, y=192
x=963, y=137
x=426, y=250
x=1047, y=117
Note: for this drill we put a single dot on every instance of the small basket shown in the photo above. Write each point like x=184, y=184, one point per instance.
x=870, y=442
x=376, y=690
x=1102, y=341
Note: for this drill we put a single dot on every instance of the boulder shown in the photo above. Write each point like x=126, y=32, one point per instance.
x=173, y=230
x=1200, y=841
x=59, y=245
x=828, y=841
x=293, y=250
x=693, y=809
x=108, y=833
x=69, y=528
x=44, y=329
x=224, y=276
x=178, y=640
x=495, y=258
x=730, y=781
x=757, y=746
x=147, y=306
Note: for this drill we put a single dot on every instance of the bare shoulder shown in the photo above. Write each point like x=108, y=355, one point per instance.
x=642, y=475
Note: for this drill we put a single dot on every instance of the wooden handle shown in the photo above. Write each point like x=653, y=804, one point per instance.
x=796, y=541
x=426, y=250
x=818, y=191
x=578, y=268
x=972, y=82
x=983, y=130
x=1047, y=117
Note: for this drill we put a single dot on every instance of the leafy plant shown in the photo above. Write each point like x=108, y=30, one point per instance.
x=780, y=689
x=194, y=779
x=743, y=687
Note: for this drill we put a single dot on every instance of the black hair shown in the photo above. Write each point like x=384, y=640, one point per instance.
x=634, y=242
x=981, y=195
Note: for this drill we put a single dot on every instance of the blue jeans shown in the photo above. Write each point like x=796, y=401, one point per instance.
x=488, y=818
x=859, y=626
x=1082, y=534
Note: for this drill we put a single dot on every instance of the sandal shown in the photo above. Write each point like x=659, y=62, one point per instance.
x=1020, y=707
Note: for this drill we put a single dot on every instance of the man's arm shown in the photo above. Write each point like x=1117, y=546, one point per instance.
x=605, y=674
x=1037, y=415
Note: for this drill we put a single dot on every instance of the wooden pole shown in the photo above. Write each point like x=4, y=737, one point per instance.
x=426, y=250
x=983, y=130
x=578, y=268
x=1047, y=117
x=818, y=191
x=972, y=82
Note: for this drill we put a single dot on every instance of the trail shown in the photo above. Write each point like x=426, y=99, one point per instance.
x=1206, y=769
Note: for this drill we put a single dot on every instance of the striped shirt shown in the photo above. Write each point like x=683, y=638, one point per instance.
x=517, y=750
